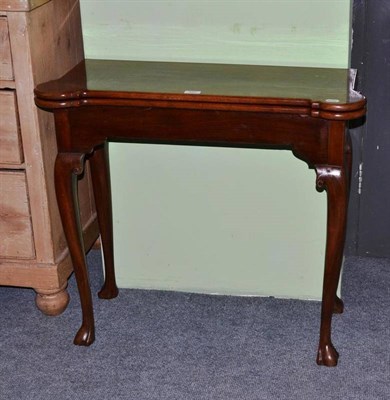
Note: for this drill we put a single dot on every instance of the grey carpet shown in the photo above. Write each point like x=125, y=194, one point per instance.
x=169, y=345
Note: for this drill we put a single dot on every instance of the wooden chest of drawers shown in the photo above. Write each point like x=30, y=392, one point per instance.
x=40, y=40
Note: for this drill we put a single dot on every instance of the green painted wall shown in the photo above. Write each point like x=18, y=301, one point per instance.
x=218, y=220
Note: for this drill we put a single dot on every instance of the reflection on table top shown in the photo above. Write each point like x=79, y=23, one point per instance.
x=315, y=84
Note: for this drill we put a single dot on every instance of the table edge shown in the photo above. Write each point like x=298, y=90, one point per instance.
x=79, y=98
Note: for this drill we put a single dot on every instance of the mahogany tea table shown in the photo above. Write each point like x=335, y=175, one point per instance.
x=304, y=110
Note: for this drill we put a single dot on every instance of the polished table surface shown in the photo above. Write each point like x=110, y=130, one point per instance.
x=305, y=110
x=320, y=84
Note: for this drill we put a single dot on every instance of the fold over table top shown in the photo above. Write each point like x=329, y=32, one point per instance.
x=318, y=92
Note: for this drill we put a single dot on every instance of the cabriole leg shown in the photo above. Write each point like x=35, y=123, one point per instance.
x=102, y=192
x=334, y=181
x=68, y=167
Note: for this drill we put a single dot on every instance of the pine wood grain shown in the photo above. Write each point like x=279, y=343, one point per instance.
x=20, y=5
x=6, y=72
x=45, y=42
x=10, y=146
x=15, y=223
x=35, y=60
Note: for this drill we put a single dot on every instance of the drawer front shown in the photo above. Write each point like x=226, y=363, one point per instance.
x=10, y=143
x=15, y=220
x=6, y=72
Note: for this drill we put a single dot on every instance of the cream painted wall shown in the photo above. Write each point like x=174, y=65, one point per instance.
x=214, y=220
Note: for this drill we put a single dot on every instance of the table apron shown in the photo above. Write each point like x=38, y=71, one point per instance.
x=82, y=129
